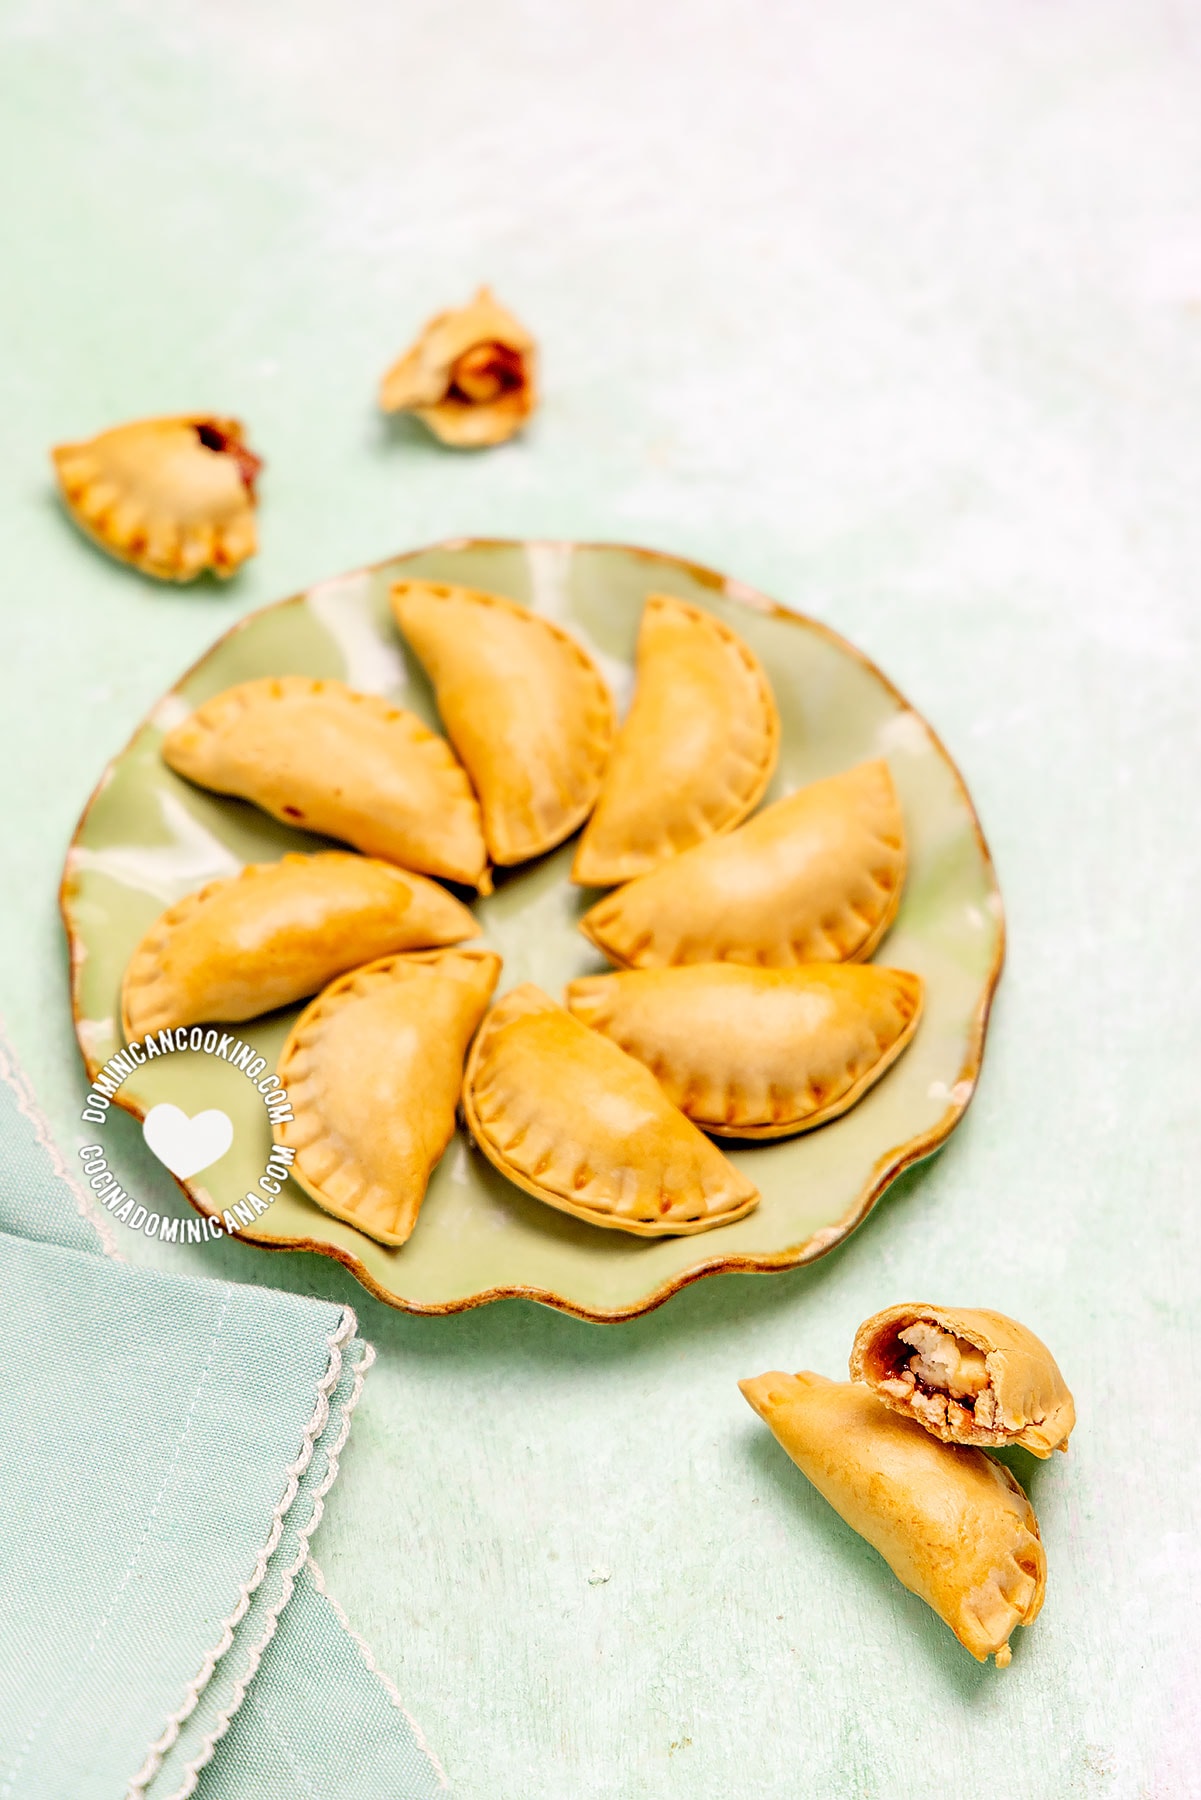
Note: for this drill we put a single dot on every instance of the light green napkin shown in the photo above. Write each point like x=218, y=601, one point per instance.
x=165, y=1448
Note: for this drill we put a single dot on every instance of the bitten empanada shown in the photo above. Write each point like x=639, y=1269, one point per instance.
x=695, y=752
x=952, y=1524
x=523, y=704
x=816, y=877
x=321, y=755
x=471, y=376
x=756, y=1053
x=174, y=497
x=576, y=1122
x=372, y=1069
x=969, y=1376
x=278, y=932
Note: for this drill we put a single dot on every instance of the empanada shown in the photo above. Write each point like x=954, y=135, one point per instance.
x=575, y=1121
x=471, y=375
x=696, y=750
x=277, y=932
x=970, y=1377
x=756, y=1053
x=523, y=704
x=814, y=878
x=372, y=1069
x=349, y=765
x=174, y=497
x=952, y=1524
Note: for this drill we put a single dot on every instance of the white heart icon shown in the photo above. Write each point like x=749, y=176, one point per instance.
x=187, y=1145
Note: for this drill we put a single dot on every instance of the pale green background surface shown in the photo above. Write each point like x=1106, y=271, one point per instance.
x=894, y=313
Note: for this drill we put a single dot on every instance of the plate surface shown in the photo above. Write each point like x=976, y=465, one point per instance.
x=147, y=838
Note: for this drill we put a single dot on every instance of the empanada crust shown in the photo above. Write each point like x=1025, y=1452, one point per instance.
x=952, y=1524
x=372, y=1069
x=756, y=1053
x=471, y=376
x=278, y=932
x=523, y=704
x=321, y=755
x=1026, y=1400
x=816, y=877
x=695, y=752
x=573, y=1120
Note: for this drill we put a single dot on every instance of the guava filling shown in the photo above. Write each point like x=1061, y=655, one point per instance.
x=486, y=372
x=944, y=1382
x=223, y=443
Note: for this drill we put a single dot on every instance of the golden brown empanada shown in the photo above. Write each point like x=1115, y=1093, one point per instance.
x=756, y=1053
x=523, y=704
x=174, y=497
x=816, y=877
x=277, y=932
x=372, y=1069
x=349, y=765
x=970, y=1377
x=575, y=1121
x=471, y=376
x=696, y=750
x=952, y=1524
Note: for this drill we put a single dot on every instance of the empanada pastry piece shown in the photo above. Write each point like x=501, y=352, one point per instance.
x=318, y=754
x=373, y=1069
x=523, y=704
x=969, y=1376
x=575, y=1121
x=471, y=376
x=756, y=1053
x=174, y=497
x=816, y=877
x=278, y=932
x=952, y=1524
x=695, y=752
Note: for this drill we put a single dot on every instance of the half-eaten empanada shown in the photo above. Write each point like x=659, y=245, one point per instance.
x=373, y=1069
x=174, y=497
x=318, y=754
x=523, y=704
x=814, y=878
x=696, y=750
x=756, y=1053
x=471, y=375
x=277, y=932
x=969, y=1376
x=575, y=1121
x=952, y=1524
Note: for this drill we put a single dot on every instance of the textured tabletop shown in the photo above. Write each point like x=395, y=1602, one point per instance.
x=896, y=314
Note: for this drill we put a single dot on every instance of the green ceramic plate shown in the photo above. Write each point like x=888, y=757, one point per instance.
x=147, y=838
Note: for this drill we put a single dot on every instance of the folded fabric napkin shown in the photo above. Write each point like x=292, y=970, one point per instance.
x=166, y=1445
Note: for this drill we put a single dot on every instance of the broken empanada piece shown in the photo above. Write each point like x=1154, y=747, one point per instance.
x=320, y=755
x=576, y=1122
x=969, y=1376
x=277, y=933
x=523, y=704
x=952, y=1524
x=471, y=376
x=696, y=750
x=756, y=1053
x=174, y=497
x=373, y=1069
x=815, y=877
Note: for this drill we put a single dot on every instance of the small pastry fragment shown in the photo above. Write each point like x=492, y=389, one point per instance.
x=278, y=932
x=704, y=719
x=173, y=497
x=322, y=756
x=756, y=1053
x=816, y=877
x=576, y=1122
x=967, y=1375
x=372, y=1068
x=952, y=1525
x=471, y=376
x=524, y=705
